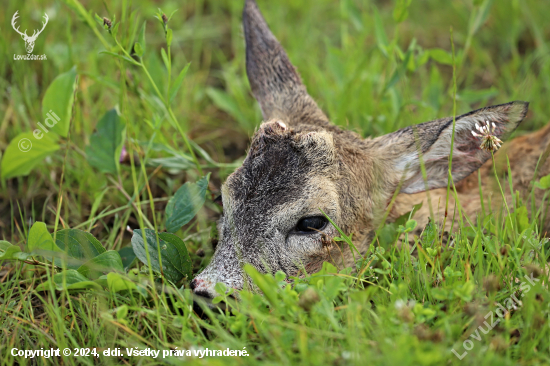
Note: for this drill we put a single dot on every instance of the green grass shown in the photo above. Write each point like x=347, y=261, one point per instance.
x=370, y=74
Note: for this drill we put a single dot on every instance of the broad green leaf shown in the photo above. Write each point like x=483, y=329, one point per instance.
x=220, y=288
x=544, y=182
x=141, y=37
x=78, y=244
x=159, y=17
x=40, y=239
x=58, y=101
x=73, y=280
x=25, y=152
x=106, y=143
x=449, y=272
x=104, y=263
x=4, y=245
x=181, y=260
x=333, y=284
x=380, y=33
x=138, y=49
x=121, y=312
x=185, y=204
x=441, y=56
x=387, y=235
x=464, y=292
x=117, y=282
x=165, y=58
x=114, y=29
x=9, y=251
x=176, y=263
x=522, y=217
x=98, y=19
x=169, y=37
x=84, y=285
x=177, y=83
x=410, y=225
x=401, y=10
x=265, y=283
x=128, y=256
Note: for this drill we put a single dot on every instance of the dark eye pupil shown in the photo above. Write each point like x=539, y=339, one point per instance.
x=311, y=224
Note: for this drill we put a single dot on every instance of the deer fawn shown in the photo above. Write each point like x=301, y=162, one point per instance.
x=299, y=163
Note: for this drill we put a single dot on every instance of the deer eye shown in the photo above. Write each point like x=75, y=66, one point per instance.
x=311, y=224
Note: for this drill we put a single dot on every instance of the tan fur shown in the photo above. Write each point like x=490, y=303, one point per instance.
x=300, y=164
x=523, y=154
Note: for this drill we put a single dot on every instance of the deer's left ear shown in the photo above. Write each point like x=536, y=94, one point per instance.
x=275, y=82
x=433, y=141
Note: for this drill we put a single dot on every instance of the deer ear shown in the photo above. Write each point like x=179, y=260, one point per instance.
x=433, y=141
x=274, y=81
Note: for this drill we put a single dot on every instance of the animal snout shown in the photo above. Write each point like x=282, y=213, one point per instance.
x=200, y=288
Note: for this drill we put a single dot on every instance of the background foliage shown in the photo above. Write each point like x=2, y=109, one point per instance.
x=373, y=66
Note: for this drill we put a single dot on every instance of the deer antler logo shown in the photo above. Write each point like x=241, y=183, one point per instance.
x=29, y=41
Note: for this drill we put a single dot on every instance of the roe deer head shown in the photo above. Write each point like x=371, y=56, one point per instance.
x=299, y=163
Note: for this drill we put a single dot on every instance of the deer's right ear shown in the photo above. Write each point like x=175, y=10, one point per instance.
x=274, y=81
x=399, y=152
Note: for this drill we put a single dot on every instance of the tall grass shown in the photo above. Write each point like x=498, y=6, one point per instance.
x=372, y=71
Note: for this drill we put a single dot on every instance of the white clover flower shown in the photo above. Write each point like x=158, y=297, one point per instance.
x=399, y=304
x=489, y=141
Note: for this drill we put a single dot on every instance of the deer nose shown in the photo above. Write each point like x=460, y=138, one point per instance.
x=197, y=291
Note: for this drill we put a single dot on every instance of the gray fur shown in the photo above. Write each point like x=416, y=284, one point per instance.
x=299, y=163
